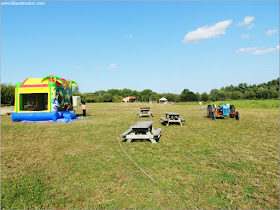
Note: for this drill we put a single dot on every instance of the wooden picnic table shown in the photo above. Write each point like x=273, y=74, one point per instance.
x=142, y=130
x=145, y=112
x=172, y=117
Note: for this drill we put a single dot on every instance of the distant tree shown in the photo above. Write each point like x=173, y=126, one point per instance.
x=114, y=92
x=107, y=98
x=214, y=95
x=222, y=95
x=198, y=96
x=236, y=95
x=145, y=94
x=99, y=92
x=7, y=94
x=187, y=95
x=117, y=98
x=204, y=97
x=126, y=92
x=260, y=92
x=267, y=90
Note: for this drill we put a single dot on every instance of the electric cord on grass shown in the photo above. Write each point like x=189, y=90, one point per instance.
x=137, y=164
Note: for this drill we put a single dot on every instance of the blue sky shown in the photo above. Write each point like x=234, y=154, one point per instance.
x=164, y=46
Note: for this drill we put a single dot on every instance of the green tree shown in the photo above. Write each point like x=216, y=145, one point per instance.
x=7, y=94
x=107, y=97
x=187, y=95
x=114, y=92
x=117, y=98
x=214, y=95
x=236, y=95
x=126, y=92
x=204, y=97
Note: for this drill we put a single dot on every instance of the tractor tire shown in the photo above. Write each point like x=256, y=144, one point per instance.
x=232, y=109
x=209, y=111
x=213, y=116
x=237, y=116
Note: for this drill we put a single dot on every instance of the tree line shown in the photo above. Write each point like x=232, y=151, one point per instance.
x=269, y=90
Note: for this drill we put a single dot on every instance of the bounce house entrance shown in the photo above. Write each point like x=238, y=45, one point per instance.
x=34, y=102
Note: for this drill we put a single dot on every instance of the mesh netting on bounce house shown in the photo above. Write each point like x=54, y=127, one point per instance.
x=47, y=99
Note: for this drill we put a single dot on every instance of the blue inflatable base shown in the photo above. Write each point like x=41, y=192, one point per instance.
x=44, y=116
x=61, y=120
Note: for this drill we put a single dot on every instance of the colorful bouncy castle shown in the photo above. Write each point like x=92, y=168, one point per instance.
x=44, y=99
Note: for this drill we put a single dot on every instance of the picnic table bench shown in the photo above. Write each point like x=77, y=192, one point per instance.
x=172, y=117
x=145, y=112
x=142, y=130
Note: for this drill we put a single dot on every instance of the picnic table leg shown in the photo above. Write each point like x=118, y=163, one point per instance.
x=153, y=141
x=181, y=123
x=167, y=123
x=128, y=140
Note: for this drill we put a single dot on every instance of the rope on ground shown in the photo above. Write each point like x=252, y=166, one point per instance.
x=133, y=160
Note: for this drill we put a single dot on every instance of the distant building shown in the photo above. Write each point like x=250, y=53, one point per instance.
x=163, y=101
x=129, y=99
x=76, y=100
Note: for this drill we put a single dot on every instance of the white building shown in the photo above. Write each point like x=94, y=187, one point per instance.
x=163, y=101
x=76, y=100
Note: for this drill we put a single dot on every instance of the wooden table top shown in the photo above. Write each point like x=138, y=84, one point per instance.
x=172, y=113
x=142, y=124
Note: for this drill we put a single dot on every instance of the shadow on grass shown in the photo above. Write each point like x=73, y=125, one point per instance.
x=81, y=115
x=171, y=124
x=140, y=140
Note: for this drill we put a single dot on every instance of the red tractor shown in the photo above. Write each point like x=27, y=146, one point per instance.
x=222, y=111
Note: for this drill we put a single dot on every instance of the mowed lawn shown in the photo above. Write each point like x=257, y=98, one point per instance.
x=204, y=164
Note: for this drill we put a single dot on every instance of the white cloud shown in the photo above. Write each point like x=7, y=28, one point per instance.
x=79, y=67
x=130, y=36
x=245, y=36
x=257, y=50
x=112, y=66
x=207, y=32
x=270, y=32
x=247, y=21
x=251, y=26
x=248, y=49
x=263, y=51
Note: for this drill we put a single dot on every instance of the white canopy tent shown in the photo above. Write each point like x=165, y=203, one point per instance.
x=163, y=101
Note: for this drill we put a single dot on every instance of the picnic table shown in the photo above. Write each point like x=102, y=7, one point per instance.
x=142, y=130
x=172, y=117
x=145, y=112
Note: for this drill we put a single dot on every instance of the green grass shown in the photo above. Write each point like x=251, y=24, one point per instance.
x=251, y=103
x=217, y=164
x=269, y=103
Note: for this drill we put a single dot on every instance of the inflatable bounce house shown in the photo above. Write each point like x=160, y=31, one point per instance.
x=44, y=99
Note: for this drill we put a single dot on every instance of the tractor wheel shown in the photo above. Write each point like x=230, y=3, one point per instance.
x=232, y=108
x=213, y=116
x=237, y=116
x=209, y=111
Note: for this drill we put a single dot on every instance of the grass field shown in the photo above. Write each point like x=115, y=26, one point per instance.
x=204, y=164
x=269, y=103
